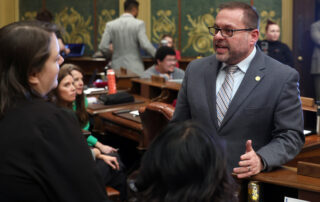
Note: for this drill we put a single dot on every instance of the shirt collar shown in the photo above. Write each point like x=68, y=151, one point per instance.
x=244, y=64
x=127, y=15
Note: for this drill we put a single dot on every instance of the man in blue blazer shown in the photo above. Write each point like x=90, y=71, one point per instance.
x=263, y=123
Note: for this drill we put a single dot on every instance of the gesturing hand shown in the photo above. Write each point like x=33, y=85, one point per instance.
x=250, y=163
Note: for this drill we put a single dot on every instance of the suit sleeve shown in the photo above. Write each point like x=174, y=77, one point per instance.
x=287, y=136
x=105, y=41
x=315, y=33
x=182, y=110
x=144, y=41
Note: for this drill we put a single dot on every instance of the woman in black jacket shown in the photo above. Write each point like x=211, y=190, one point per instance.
x=43, y=156
x=273, y=47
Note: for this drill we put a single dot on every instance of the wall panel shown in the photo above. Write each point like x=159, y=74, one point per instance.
x=84, y=20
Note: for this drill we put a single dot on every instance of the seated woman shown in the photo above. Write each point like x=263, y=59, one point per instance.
x=184, y=163
x=273, y=47
x=36, y=161
x=80, y=104
x=66, y=96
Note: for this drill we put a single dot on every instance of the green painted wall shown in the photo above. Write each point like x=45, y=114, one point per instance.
x=164, y=20
x=76, y=19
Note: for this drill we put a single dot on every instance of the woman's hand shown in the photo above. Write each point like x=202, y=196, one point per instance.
x=110, y=160
x=105, y=149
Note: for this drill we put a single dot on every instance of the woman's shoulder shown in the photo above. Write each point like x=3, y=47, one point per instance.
x=40, y=111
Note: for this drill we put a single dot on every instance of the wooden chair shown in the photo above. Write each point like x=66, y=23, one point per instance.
x=113, y=194
x=154, y=117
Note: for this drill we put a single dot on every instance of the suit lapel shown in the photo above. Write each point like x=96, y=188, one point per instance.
x=210, y=82
x=252, y=78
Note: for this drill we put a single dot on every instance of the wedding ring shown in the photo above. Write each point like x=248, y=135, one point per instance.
x=249, y=169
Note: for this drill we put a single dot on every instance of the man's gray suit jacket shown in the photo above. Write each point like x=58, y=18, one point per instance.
x=266, y=109
x=127, y=35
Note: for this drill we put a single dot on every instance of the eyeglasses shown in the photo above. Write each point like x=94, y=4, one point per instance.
x=226, y=32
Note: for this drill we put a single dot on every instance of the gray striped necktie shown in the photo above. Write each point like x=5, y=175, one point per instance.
x=225, y=93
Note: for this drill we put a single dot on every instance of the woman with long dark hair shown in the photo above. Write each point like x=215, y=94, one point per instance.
x=37, y=163
x=184, y=163
x=69, y=95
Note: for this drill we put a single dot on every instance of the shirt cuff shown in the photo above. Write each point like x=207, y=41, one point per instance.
x=92, y=141
x=264, y=163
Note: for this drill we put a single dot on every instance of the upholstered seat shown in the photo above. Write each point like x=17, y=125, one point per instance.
x=154, y=117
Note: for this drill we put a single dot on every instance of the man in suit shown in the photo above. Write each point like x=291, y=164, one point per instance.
x=127, y=34
x=315, y=62
x=262, y=124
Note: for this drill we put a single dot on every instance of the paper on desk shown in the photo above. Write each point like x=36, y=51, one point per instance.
x=288, y=199
x=90, y=90
x=306, y=132
x=135, y=113
x=175, y=80
x=92, y=100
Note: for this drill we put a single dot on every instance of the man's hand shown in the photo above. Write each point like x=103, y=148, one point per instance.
x=250, y=163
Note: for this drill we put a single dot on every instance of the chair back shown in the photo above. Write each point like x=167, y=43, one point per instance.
x=154, y=117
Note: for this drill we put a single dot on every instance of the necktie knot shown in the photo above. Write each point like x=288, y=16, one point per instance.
x=231, y=69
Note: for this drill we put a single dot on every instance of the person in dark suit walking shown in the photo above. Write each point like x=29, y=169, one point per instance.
x=251, y=100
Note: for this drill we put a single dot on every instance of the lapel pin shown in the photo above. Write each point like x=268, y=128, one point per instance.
x=258, y=78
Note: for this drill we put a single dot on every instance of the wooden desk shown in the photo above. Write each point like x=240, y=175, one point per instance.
x=124, y=79
x=307, y=188
x=94, y=109
x=164, y=92
x=309, y=108
x=308, y=104
x=89, y=64
x=122, y=126
x=309, y=153
x=303, y=187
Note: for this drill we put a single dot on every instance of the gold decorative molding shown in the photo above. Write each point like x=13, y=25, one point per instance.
x=104, y=17
x=77, y=29
x=264, y=16
x=163, y=23
x=29, y=15
x=198, y=36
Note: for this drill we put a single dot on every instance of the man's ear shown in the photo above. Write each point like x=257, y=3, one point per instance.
x=33, y=79
x=254, y=36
